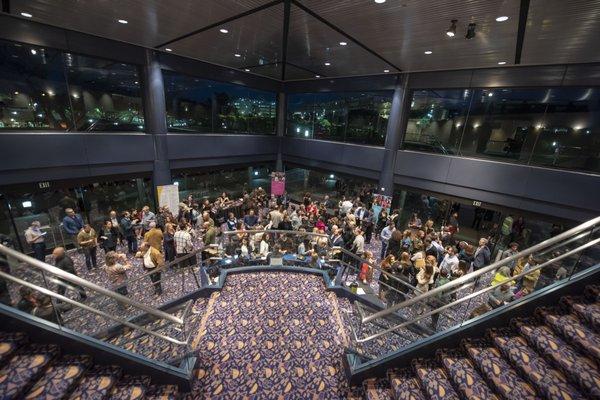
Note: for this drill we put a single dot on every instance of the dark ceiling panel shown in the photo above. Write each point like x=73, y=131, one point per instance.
x=149, y=21
x=560, y=31
x=272, y=70
x=312, y=43
x=256, y=38
x=402, y=30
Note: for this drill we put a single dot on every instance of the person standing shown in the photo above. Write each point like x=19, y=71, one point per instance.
x=35, y=238
x=88, y=241
x=65, y=263
x=147, y=218
x=116, y=269
x=183, y=244
x=153, y=262
x=127, y=226
x=72, y=224
x=386, y=235
x=482, y=255
x=154, y=237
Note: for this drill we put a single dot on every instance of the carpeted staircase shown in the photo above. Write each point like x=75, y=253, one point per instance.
x=39, y=371
x=552, y=355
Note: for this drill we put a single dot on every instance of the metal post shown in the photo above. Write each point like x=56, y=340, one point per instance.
x=281, y=119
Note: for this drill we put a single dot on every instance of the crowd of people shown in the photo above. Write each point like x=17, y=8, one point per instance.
x=395, y=258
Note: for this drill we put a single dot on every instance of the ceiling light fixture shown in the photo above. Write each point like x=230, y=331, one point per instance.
x=452, y=29
x=501, y=62
x=223, y=30
x=247, y=69
x=428, y=52
x=343, y=43
x=327, y=64
x=386, y=70
x=502, y=18
x=168, y=49
x=237, y=55
x=317, y=76
x=33, y=51
x=379, y=1
x=122, y=21
x=26, y=15
x=471, y=31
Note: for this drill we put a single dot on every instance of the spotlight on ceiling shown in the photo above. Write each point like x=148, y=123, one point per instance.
x=26, y=15
x=343, y=43
x=471, y=31
x=247, y=69
x=502, y=18
x=452, y=29
x=122, y=21
x=386, y=70
x=428, y=52
x=327, y=64
x=501, y=62
x=317, y=76
x=168, y=49
x=33, y=51
x=379, y=1
x=237, y=55
x=223, y=30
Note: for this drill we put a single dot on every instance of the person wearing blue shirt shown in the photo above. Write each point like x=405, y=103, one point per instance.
x=72, y=224
x=250, y=220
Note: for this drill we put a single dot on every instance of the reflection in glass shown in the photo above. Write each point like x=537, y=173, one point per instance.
x=105, y=95
x=199, y=105
x=359, y=117
x=33, y=91
x=436, y=120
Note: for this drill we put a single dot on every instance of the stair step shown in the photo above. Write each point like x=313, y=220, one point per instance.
x=580, y=369
x=465, y=377
x=505, y=381
x=577, y=334
x=377, y=389
x=60, y=378
x=97, y=383
x=24, y=368
x=589, y=313
x=434, y=380
x=547, y=380
x=405, y=386
x=9, y=344
x=130, y=388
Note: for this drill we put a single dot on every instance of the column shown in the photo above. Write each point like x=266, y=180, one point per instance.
x=281, y=118
x=155, y=115
x=393, y=136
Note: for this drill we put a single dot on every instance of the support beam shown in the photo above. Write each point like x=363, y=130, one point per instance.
x=225, y=21
x=286, y=31
x=281, y=123
x=6, y=6
x=523, y=13
x=155, y=112
x=394, y=135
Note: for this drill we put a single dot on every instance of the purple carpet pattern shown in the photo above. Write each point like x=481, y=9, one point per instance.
x=271, y=336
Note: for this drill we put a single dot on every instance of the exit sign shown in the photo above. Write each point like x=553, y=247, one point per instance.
x=477, y=203
x=44, y=185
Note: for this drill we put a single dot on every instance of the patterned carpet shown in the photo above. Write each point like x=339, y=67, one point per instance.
x=268, y=336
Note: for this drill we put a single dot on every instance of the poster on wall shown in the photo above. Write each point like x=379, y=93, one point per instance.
x=277, y=183
x=168, y=196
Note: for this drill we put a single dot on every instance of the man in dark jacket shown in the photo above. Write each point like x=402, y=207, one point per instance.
x=72, y=224
x=482, y=255
x=128, y=227
x=64, y=262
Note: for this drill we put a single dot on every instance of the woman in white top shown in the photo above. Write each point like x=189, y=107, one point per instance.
x=244, y=249
x=263, y=249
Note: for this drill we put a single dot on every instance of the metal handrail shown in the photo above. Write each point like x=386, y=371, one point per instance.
x=65, y=299
x=479, y=292
x=86, y=284
x=470, y=276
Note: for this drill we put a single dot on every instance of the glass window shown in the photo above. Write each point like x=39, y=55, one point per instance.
x=105, y=95
x=502, y=123
x=569, y=135
x=358, y=117
x=199, y=105
x=436, y=120
x=33, y=91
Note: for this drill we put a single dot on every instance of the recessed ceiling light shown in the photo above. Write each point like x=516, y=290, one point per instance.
x=379, y=1
x=27, y=15
x=343, y=43
x=327, y=64
x=502, y=18
x=247, y=69
x=33, y=51
x=428, y=52
x=237, y=55
x=386, y=70
x=122, y=21
x=501, y=62
x=16, y=92
x=317, y=76
x=136, y=83
x=223, y=30
x=168, y=49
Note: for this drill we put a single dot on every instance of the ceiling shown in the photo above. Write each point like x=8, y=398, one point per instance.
x=301, y=39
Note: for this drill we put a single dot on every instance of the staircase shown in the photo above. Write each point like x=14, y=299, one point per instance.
x=553, y=355
x=40, y=371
